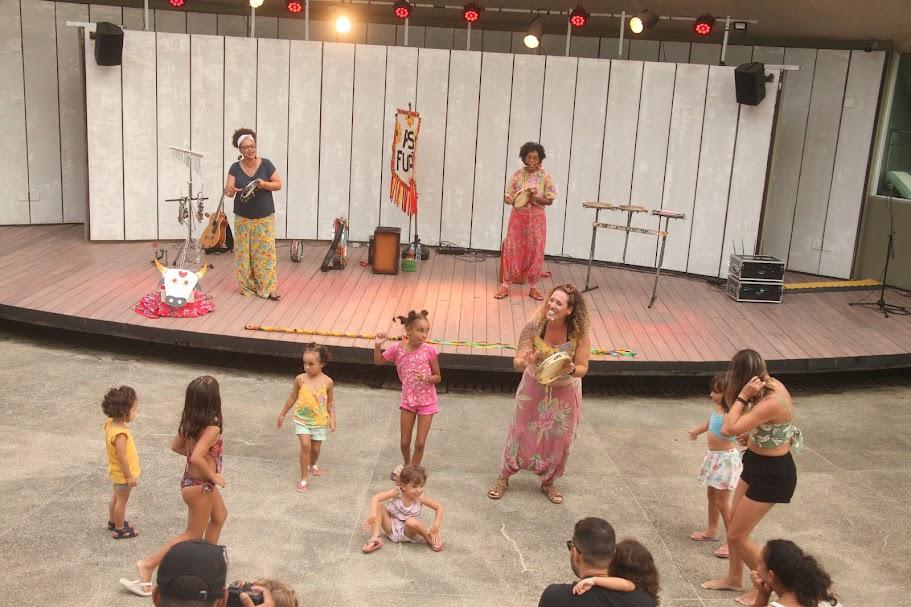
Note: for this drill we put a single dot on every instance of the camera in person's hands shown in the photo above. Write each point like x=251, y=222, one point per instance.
x=235, y=590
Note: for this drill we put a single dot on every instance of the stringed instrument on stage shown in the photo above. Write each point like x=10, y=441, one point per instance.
x=337, y=257
x=217, y=233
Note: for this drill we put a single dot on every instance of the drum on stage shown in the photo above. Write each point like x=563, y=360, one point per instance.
x=551, y=368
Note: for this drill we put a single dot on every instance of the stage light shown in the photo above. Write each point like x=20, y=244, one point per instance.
x=256, y=3
x=176, y=3
x=342, y=24
x=578, y=17
x=535, y=32
x=294, y=6
x=471, y=12
x=402, y=9
x=704, y=24
x=645, y=20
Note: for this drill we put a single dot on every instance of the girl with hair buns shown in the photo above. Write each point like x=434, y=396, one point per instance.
x=418, y=368
x=761, y=407
x=254, y=217
x=544, y=426
x=794, y=576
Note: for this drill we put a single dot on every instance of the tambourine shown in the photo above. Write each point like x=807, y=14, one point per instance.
x=249, y=191
x=551, y=368
x=521, y=199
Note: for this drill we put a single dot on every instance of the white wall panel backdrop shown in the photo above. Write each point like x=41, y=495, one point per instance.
x=490, y=157
x=433, y=92
x=616, y=131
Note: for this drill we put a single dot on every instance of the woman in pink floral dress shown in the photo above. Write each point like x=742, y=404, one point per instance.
x=544, y=426
x=523, y=247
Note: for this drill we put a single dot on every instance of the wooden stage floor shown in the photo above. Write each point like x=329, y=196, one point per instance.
x=52, y=277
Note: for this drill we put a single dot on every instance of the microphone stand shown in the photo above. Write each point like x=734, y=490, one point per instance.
x=880, y=304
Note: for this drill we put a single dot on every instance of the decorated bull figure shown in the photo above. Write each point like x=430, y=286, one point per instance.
x=178, y=284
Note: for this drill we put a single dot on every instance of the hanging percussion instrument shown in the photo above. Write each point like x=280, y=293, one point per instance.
x=522, y=199
x=551, y=368
x=249, y=191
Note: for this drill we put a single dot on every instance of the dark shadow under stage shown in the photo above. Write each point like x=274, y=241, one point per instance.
x=51, y=277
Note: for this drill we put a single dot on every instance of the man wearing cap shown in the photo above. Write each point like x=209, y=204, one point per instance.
x=193, y=574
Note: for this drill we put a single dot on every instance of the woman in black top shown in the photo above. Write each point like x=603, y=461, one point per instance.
x=254, y=220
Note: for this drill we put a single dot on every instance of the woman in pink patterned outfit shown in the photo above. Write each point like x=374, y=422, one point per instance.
x=523, y=248
x=545, y=419
x=419, y=371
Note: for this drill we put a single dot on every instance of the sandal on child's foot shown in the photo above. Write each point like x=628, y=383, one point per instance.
x=302, y=487
x=552, y=494
x=111, y=525
x=372, y=546
x=124, y=534
x=316, y=470
x=499, y=488
x=137, y=587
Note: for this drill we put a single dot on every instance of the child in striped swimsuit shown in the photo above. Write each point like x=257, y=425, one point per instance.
x=400, y=519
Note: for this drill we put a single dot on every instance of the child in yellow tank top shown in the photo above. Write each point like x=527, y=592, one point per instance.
x=314, y=411
x=119, y=405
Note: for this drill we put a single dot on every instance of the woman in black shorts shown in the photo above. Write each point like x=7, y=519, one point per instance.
x=761, y=408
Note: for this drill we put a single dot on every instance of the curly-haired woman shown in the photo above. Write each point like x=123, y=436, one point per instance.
x=544, y=426
x=254, y=218
x=523, y=247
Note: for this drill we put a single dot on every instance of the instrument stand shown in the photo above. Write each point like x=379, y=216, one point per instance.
x=591, y=254
x=667, y=221
x=189, y=252
x=880, y=304
x=421, y=252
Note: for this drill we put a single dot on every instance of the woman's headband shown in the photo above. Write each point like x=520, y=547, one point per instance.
x=244, y=136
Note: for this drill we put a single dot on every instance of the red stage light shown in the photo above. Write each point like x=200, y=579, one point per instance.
x=295, y=6
x=578, y=17
x=704, y=25
x=402, y=9
x=176, y=3
x=471, y=12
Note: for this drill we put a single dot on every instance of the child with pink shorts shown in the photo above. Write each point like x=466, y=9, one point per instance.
x=418, y=368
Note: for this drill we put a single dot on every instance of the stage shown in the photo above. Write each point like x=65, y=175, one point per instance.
x=52, y=277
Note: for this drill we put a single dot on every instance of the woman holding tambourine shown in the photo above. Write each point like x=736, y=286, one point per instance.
x=529, y=190
x=251, y=180
x=553, y=358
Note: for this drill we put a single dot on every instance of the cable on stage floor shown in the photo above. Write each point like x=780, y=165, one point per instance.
x=617, y=352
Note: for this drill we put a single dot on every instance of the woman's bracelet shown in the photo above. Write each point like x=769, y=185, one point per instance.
x=741, y=399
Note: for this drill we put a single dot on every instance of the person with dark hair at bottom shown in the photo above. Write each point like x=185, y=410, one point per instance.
x=794, y=576
x=193, y=573
x=590, y=554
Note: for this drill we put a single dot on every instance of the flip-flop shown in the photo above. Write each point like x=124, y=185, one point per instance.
x=137, y=587
x=302, y=487
x=316, y=470
x=372, y=546
x=536, y=295
x=698, y=536
x=502, y=293
x=722, y=552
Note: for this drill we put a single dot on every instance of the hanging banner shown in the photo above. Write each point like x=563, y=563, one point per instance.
x=403, y=191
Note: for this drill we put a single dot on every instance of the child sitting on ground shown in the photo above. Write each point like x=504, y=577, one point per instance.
x=400, y=518
x=119, y=405
x=631, y=568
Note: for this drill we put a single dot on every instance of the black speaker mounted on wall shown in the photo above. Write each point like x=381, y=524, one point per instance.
x=749, y=82
x=108, y=44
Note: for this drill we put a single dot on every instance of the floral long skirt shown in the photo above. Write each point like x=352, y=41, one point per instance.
x=543, y=428
x=523, y=248
x=254, y=255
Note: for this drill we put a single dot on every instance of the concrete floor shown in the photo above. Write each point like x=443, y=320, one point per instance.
x=632, y=465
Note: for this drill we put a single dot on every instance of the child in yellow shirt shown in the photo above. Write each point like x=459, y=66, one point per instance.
x=119, y=405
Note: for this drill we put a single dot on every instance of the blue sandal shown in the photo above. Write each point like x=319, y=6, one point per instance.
x=124, y=534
